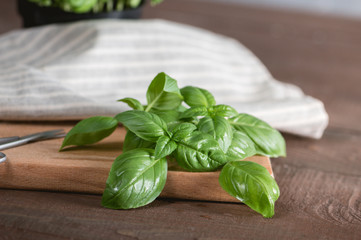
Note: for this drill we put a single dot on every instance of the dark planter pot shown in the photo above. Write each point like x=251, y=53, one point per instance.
x=34, y=15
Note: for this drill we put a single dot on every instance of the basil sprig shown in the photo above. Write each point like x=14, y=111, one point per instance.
x=250, y=183
x=135, y=179
x=201, y=137
x=89, y=131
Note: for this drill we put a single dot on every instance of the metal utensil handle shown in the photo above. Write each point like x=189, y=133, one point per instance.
x=33, y=137
x=2, y=157
x=8, y=139
x=43, y=134
x=15, y=143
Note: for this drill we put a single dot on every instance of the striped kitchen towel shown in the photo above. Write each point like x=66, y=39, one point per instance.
x=73, y=71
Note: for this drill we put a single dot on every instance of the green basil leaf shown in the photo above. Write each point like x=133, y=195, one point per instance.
x=132, y=141
x=219, y=128
x=199, y=153
x=167, y=115
x=252, y=184
x=194, y=112
x=268, y=141
x=165, y=146
x=133, y=103
x=163, y=93
x=181, y=108
x=223, y=111
x=194, y=96
x=135, y=179
x=147, y=126
x=182, y=130
x=218, y=110
x=241, y=147
x=89, y=131
x=155, y=2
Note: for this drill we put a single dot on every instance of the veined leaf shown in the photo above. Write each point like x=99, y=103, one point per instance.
x=219, y=128
x=199, y=152
x=168, y=116
x=222, y=110
x=133, y=103
x=132, y=141
x=89, y=131
x=147, y=126
x=241, y=147
x=250, y=183
x=194, y=112
x=163, y=93
x=194, y=96
x=135, y=179
x=182, y=131
x=218, y=110
x=165, y=146
x=268, y=141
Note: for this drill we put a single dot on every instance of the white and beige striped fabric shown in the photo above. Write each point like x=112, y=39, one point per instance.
x=73, y=71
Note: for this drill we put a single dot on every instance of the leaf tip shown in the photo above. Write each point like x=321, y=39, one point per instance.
x=62, y=146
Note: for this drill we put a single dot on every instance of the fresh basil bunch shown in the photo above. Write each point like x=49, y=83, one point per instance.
x=203, y=137
x=83, y=6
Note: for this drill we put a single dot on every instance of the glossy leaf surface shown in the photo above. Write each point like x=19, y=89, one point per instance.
x=219, y=128
x=201, y=111
x=268, y=141
x=147, y=126
x=182, y=131
x=250, y=183
x=89, y=131
x=135, y=179
x=168, y=116
x=223, y=111
x=163, y=93
x=132, y=141
x=195, y=112
x=241, y=147
x=165, y=146
x=133, y=103
x=199, y=152
x=194, y=96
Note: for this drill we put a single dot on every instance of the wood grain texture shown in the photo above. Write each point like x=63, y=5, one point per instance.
x=40, y=166
x=9, y=20
x=319, y=180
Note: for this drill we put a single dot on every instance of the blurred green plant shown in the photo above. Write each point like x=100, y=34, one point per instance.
x=96, y=6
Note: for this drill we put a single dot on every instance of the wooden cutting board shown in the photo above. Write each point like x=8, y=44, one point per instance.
x=40, y=166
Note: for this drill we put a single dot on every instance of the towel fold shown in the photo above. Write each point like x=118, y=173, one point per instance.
x=73, y=71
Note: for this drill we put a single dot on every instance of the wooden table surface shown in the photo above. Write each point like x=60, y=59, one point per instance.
x=320, y=180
